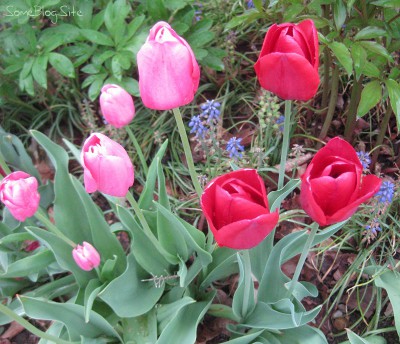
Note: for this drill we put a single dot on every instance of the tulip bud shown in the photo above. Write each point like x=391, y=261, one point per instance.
x=106, y=166
x=19, y=193
x=86, y=256
x=168, y=71
x=116, y=105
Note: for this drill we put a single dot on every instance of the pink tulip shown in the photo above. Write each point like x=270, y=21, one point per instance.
x=116, y=105
x=107, y=166
x=19, y=193
x=168, y=71
x=86, y=256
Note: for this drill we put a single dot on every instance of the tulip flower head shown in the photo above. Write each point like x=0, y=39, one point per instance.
x=333, y=186
x=86, y=256
x=116, y=105
x=288, y=62
x=236, y=208
x=168, y=71
x=106, y=166
x=19, y=193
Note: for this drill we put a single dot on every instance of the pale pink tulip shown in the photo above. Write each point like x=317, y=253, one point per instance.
x=19, y=193
x=107, y=166
x=116, y=105
x=168, y=71
x=86, y=256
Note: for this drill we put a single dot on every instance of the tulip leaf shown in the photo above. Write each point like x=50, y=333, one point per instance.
x=71, y=315
x=183, y=327
x=150, y=255
x=147, y=195
x=299, y=335
x=343, y=55
x=91, y=291
x=243, y=300
x=275, y=198
x=63, y=254
x=167, y=312
x=390, y=282
x=394, y=95
x=370, y=96
x=29, y=265
x=128, y=295
x=141, y=329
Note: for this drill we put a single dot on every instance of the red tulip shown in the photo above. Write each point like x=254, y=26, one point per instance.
x=19, y=192
x=106, y=166
x=168, y=71
x=236, y=208
x=333, y=185
x=288, y=62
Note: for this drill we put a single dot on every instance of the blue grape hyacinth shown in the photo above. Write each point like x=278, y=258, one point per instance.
x=197, y=127
x=365, y=159
x=210, y=110
x=386, y=192
x=235, y=148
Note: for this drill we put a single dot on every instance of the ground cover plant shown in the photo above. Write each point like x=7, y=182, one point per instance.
x=199, y=172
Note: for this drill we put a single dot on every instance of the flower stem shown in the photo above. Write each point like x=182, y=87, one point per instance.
x=28, y=326
x=40, y=215
x=188, y=152
x=285, y=142
x=332, y=102
x=303, y=257
x=138, y=150
x=352, y=112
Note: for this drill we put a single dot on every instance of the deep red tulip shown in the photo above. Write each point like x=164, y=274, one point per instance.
x=168, y=71
x=236, y=208
x=288, y=62
x=333, y=185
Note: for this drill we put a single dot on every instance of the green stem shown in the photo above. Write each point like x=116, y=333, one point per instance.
x=40, y=215
x=28, y=326
x=381, y=135
x=325, y=88
x=352, y=113
x=285, y=142
x=138, y=150
x=188, y=152
x=303, y=257
x=332, y=102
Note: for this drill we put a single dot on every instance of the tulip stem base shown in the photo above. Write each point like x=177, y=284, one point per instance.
x=285, y=143
x=303, y=257
x=138, y=149
x=188, y=152
x=41, y=216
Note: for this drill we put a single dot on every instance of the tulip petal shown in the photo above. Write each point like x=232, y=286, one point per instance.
x=370, y=186
x=309, y=204
x=287, y=44
x=311, y=36
x=246, y=234
x=289, y=76
x=332, y=194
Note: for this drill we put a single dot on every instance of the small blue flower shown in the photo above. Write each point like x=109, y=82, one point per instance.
x=235, y=148
x=250, y=4
x=374, y=227
x=210, y=111
x=385, y=193
x=280, y=121
x=365, y=159
x=197, y=127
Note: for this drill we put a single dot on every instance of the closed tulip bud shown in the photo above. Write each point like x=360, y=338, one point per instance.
x=19, y=193
x=106, y=166
x=86, y=256
x=168, y=71
x=288, y=62
x=116, y=105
